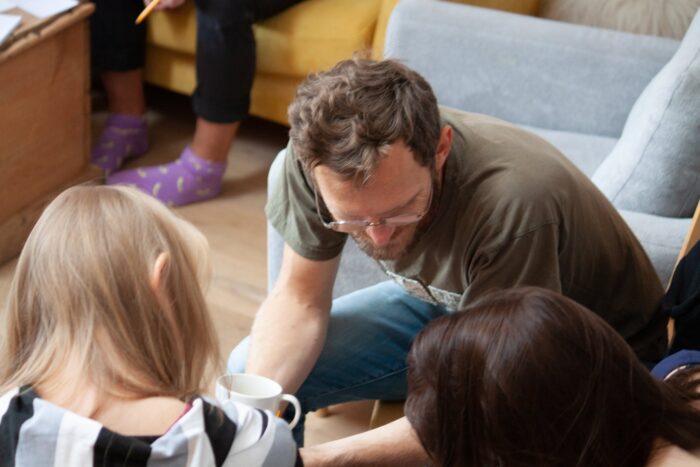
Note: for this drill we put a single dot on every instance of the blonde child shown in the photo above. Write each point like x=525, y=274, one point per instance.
x=107, y=343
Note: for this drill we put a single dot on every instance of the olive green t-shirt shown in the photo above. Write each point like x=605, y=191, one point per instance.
x=512, y=211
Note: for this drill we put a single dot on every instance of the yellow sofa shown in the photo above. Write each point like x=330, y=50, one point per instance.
x=310, y=36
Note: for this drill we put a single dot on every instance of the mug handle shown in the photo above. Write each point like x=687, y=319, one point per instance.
x=222, y=394
x=297, y=408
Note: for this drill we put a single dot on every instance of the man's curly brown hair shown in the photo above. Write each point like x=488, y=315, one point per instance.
x=347, y=117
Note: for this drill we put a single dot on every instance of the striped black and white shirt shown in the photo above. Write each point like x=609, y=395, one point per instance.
x=35, y=432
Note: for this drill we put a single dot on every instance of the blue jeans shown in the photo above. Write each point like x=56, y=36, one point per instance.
x=364, y=357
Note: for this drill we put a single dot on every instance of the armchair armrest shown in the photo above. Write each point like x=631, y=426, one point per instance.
x=527, y=70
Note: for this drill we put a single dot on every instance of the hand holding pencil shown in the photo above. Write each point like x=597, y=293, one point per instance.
x=157, y=5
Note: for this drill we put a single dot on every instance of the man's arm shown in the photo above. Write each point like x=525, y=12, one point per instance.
x=389, y=445
x=290, y=328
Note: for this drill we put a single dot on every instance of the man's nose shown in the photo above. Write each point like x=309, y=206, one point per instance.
x=380, y=234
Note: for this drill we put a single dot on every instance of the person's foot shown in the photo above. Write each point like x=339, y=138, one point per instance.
x=124, y=137
x=187, y=180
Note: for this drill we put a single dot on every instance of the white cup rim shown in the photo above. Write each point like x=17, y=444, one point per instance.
x=266, y=383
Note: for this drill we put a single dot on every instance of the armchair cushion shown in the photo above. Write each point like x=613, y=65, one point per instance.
x=314, y=35
x=655, y=165
x=661, y=238
x=585, y=151
x=310, y=36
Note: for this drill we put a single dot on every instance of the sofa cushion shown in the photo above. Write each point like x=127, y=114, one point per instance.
x=655, y=166
x=661, y=237
x=526, y=70
x=312, y=35
x=525, y=7
x=668, y=18
x=174, y=30
x=585, y=151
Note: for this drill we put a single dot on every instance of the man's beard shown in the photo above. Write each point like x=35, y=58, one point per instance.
x=399, y=246
x=395, y=249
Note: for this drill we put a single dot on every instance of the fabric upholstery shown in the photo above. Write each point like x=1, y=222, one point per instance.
x=310, y=36
x=661, y=237
x=526, y=70
x=314, y=35
x=174, y=29
x=380, y=31
x=668, y=18
x=655, y=167
x=585, y=151
x=170, y=69
x=525, y=7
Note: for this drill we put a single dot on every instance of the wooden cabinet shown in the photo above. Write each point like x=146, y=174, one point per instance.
x=44, y=120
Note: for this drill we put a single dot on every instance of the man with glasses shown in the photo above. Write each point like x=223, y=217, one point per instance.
x=451, y=205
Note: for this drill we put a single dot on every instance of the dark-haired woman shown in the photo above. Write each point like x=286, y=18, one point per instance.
x=527, y=377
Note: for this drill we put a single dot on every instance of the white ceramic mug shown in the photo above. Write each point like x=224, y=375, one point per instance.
x=255, y=391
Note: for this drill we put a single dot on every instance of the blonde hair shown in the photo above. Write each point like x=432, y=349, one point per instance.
x=83, y=289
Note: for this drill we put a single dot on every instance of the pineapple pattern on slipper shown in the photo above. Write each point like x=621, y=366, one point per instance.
x=123, y=137
x=187, y=180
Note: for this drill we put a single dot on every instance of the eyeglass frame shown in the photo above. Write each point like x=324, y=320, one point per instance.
x=360, y=225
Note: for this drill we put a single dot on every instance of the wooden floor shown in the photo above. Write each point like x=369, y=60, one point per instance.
x=235, y=225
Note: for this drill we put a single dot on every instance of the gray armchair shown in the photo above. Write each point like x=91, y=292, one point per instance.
x=625, y=108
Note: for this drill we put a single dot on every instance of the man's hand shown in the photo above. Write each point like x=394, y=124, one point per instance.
x=166, y=4
x=389, y=445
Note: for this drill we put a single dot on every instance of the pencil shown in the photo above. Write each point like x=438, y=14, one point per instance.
x=146, y=11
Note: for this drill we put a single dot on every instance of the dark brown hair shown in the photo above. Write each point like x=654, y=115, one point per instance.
x=346, y=118
x=527, y=377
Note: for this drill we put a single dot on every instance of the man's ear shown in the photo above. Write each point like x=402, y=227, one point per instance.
x=443, y=148
x=156, y=279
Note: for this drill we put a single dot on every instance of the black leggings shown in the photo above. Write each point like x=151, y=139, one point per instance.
x=225, y=49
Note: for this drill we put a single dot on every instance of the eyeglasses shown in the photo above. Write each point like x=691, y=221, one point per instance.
x=356, y=226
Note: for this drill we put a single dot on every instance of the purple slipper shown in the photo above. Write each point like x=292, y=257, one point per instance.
x=123, y=137
x=189, y=179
